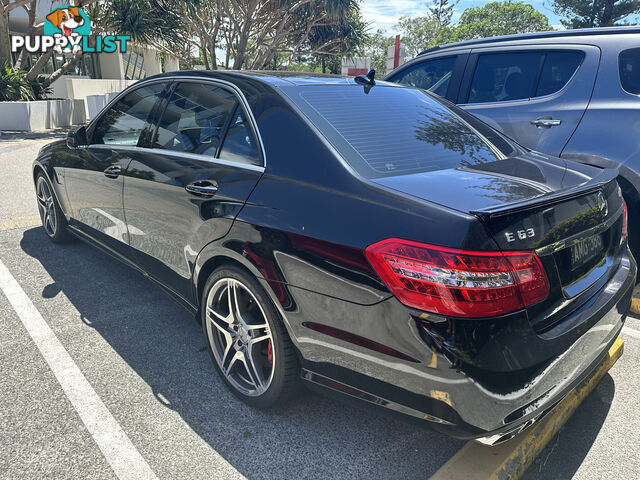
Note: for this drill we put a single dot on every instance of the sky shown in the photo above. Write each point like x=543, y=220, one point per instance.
x=385, y=13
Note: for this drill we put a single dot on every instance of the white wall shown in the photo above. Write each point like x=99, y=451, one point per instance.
x=152, y=63
x=351, y=63
x=24, y=116
x=111, y=65
x=171, y=63
x=41, y=115
x=80, y=87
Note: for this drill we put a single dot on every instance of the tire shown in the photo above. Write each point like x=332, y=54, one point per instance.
x=51, y=215
x=233, y=339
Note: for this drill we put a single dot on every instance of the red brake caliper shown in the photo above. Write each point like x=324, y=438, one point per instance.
x=269, y=351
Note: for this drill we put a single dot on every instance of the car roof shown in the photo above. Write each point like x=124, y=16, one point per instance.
x=275, y=78
x=564, y=34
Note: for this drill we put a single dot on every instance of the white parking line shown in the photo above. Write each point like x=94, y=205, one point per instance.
x=631, y=332
x=125, y=460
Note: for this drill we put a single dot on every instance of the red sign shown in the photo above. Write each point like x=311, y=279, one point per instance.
x=352, y=72
x=396, y=53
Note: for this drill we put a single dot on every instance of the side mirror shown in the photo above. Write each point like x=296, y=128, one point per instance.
x=77, y=138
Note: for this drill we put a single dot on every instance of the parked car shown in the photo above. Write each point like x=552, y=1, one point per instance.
x=373, y=241
x=573, y=94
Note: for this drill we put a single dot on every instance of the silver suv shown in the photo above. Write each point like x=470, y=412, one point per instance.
x=572, y=94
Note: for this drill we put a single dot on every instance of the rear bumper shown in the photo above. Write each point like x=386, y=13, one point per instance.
x=564, y=372
x=493, y=387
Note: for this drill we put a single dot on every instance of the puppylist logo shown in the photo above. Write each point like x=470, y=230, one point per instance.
x=68, y=29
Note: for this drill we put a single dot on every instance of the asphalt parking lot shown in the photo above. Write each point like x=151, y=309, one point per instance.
x=145, y=358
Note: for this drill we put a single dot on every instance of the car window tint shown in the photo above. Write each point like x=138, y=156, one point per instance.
x=504, y=76
x=240, y=144
x=433, y=75
x=195, y=118
x=391, y=131
x=558, y=69
x=122, y=124
x=629, y=64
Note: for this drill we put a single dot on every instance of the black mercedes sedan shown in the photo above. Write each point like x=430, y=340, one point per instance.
x=364, y=238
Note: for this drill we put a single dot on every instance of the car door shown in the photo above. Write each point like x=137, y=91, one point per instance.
x=440, y=74
x=185, y=187
x=95, y=181
x=535, y=94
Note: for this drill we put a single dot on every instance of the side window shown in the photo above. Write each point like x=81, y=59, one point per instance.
x=629, y=65
x=558, y=69
x=432, y=75
x=195, y=118
x=240, y=144
x=504, y=76
x=122, y=124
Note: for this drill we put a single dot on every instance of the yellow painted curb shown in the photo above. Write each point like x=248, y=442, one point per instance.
x=511, y=459
x=635, y=305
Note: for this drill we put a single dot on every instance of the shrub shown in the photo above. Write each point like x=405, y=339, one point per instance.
x=14, y=86
x=40, y=88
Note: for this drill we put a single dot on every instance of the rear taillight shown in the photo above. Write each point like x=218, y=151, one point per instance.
x=625, y=222
x=459, y=283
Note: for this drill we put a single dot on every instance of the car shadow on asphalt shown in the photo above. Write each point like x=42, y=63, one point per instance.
x=565, y=453
x=311, y=437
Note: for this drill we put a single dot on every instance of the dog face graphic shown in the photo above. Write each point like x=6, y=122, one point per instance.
x=66, y=19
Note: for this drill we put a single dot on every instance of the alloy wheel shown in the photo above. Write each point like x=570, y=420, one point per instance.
x=240, y=337
x=46, y=207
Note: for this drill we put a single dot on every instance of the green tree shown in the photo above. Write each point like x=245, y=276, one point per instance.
x=499, y=18
x=257, y=30
x=442, y=11
x=418, y=33
x=345, y=38
x=594, y=13
x=376, y=49
x=146, y=21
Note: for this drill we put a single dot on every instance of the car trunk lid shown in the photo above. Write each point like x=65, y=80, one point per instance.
x=572, y=219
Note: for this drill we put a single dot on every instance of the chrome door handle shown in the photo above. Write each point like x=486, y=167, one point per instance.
x=202, y=188
x=113, y=171
x=545, y=122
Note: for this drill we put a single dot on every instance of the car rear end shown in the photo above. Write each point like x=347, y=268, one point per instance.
x=514, y=323
x=528, y=321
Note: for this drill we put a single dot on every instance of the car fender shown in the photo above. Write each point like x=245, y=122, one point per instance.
x=227, y=250
x=55, y=176
x=216, y=254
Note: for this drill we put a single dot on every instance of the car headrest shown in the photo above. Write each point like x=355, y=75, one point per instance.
x=516, y=86
x=484, y=79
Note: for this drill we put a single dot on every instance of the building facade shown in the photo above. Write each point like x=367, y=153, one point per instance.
x=96, y=73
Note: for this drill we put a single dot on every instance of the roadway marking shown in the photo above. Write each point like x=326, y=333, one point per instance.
x=120, y=453
x=19, y=222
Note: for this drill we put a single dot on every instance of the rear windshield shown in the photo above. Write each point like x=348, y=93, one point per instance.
x=391, y=130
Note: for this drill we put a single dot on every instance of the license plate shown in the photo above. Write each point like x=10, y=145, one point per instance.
x=585, y=250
